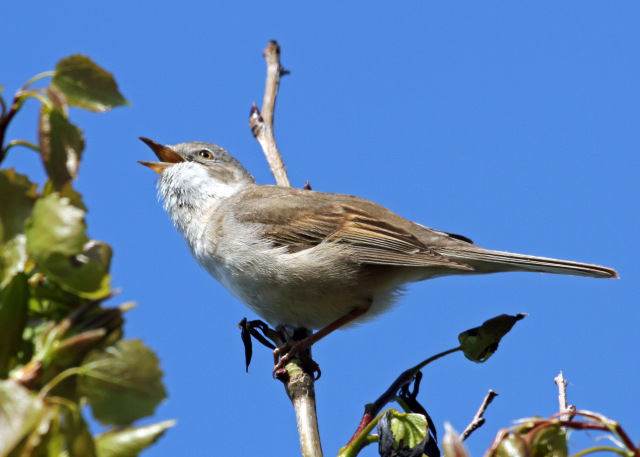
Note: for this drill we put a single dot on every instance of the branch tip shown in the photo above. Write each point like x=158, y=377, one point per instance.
x=478, y=420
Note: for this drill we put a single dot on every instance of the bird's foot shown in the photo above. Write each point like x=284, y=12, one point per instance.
x=286, y=346
x=261, y=332
x=300, y=350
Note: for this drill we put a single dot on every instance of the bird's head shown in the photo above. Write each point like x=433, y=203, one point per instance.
x=196, y=171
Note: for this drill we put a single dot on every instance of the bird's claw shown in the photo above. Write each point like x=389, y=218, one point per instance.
x=286, y=353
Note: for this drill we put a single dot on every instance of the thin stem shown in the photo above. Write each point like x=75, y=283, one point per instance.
x=600, y=449
x=63, y=401
x=17, y=102
x=605, y=424
x=33, y=93
x=406, y=377
x=371, y=439
x=358, y=441
x=403, y=405
x=24, y=143
x=44, y=74
x=4, y=123
x=58, y=379
x=433, y=358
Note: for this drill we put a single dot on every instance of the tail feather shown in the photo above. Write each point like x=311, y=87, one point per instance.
x=486, y=261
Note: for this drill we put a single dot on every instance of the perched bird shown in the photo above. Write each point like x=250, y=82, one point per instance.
x=307, y=259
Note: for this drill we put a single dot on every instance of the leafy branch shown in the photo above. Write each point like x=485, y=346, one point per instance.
x=59, y=347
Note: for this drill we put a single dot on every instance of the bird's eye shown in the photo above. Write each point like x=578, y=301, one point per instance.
x=205, y=154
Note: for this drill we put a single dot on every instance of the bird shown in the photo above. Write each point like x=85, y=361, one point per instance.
x=305, y=259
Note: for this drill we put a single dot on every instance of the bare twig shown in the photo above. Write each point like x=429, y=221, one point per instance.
x=478, y=420
x=274, y=70
x=562, y=396
x=299, y=384
x=300, y=390
x=262, y=123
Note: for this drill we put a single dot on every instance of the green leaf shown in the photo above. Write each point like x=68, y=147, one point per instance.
x=17, y=197
x=61, y=145
x=14, y=304
x=56, y=240
x=123, y=383
x=49, y=300
x=13, y=258
x=18, y=415
x=45, y=438
x=479, y=343
x=130, y=441
x=66, y=191
x=406, y=432
x=55, y=227
x=86, y=85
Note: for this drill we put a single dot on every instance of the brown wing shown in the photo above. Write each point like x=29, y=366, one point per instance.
x=294, y=223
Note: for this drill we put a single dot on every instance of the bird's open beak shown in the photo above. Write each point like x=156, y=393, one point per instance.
x=166, y=155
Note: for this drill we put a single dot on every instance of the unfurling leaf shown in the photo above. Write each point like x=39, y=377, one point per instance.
x=14, y=304
x=549, y=441
x=402, y=435
x=18, y=414
x=56, y=240
x=452, y=443
x=479, y=343
x=123, y=383
x=130, y=441
x=61, y=146
x=512, y=445
x=86, y=85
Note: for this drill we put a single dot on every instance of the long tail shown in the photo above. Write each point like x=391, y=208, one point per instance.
x=486, y=261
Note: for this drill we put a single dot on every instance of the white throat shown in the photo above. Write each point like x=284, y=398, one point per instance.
x=189, y=194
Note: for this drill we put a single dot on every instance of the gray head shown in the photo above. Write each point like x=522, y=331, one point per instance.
x=196, y=174
x=217, y=162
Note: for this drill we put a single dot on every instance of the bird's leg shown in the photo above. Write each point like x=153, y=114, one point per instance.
x=291, y=339
x=289, y=350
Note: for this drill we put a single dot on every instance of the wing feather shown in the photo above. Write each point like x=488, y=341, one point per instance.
x=370, y=239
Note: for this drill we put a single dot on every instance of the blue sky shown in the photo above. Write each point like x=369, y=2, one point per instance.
x=514, y=124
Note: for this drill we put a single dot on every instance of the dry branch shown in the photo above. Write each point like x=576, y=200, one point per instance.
x=299, y=384
x=478, y=420
x=262, y=123
x=562, y=396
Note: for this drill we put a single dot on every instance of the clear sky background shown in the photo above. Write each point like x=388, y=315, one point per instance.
x=517, y=125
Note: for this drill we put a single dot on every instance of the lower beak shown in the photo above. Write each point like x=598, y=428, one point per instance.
x=158, y=167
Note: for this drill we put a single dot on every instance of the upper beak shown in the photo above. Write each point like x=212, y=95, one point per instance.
x=166, y=155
